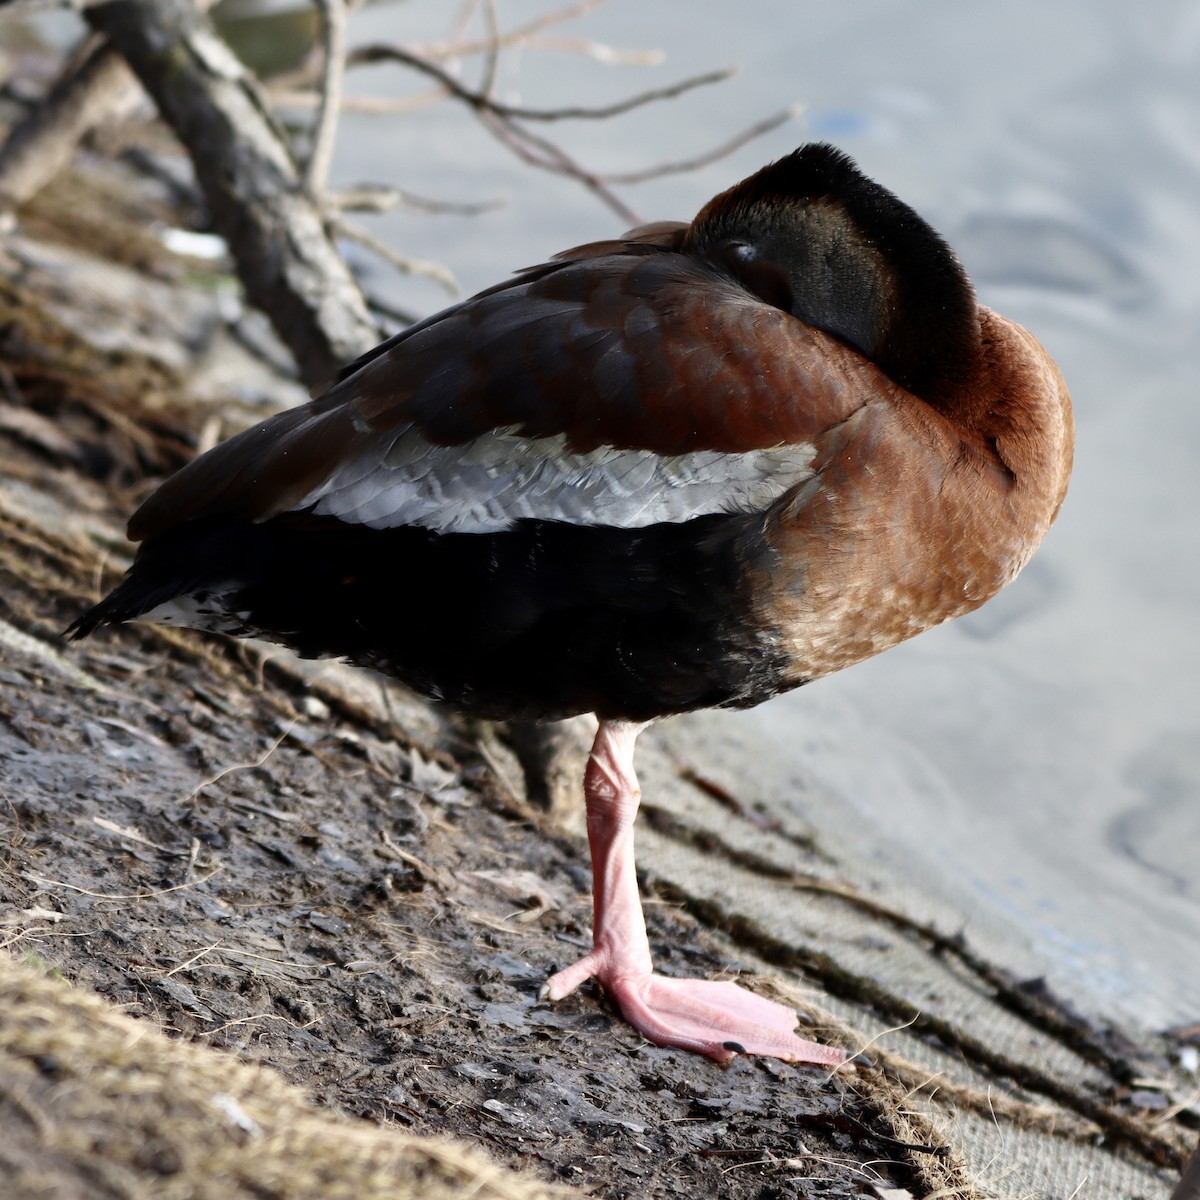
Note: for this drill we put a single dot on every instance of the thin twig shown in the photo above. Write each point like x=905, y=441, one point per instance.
x=263, y=1016
x=424, y=268
x=491, y=55
x=381, y=198
x=503, y=122
x=183, y=966
x=380, y=52
x=298, y=97
x=333, y=67
x=702, y=160
x=456, y=47
x=544, y=154
x=427, y=871
x=462, y=22
x=244, y=766
x=42, y=882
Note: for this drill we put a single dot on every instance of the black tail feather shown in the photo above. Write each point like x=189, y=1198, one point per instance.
x=190, y=557
x=130, y=599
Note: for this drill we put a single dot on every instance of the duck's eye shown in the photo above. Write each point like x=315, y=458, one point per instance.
x=766, y=279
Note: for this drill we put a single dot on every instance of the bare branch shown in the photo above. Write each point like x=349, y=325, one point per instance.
x=545, y=155
x=491, y=55
x=702, y=160
x=380, y=198
x=374, y=106
x=504, y=121
x=380, y=52
x=462, y=22
x=95, y=87
x=286, y=261
x=333, y=21
x=455, y=47
x=423, y=268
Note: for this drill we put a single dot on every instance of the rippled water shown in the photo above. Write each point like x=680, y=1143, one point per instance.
x=1035, y=766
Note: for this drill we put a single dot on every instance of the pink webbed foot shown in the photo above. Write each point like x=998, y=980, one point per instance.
x=717, y=1019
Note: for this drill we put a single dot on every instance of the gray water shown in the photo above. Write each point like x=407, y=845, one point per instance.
x=1036, y=766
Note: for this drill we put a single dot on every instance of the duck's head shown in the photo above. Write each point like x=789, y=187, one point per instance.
x=812, y=235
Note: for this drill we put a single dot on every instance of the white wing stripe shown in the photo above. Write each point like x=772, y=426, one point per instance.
x=500, y=478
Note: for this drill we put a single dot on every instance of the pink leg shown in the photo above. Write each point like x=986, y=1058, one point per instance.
x=716, y=1019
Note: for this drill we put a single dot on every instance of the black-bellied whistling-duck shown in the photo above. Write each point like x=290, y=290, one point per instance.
x=693, y=466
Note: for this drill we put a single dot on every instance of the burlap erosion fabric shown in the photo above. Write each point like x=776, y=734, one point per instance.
x=93, y=1103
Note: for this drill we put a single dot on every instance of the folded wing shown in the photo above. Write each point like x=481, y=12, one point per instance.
x=623, y=388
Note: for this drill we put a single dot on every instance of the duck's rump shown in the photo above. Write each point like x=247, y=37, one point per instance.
x=539, y=621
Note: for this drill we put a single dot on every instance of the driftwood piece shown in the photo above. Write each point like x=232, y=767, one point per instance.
x=274, y=228
x=97, y=87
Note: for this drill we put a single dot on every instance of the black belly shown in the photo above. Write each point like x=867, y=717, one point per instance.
x=540, y=621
